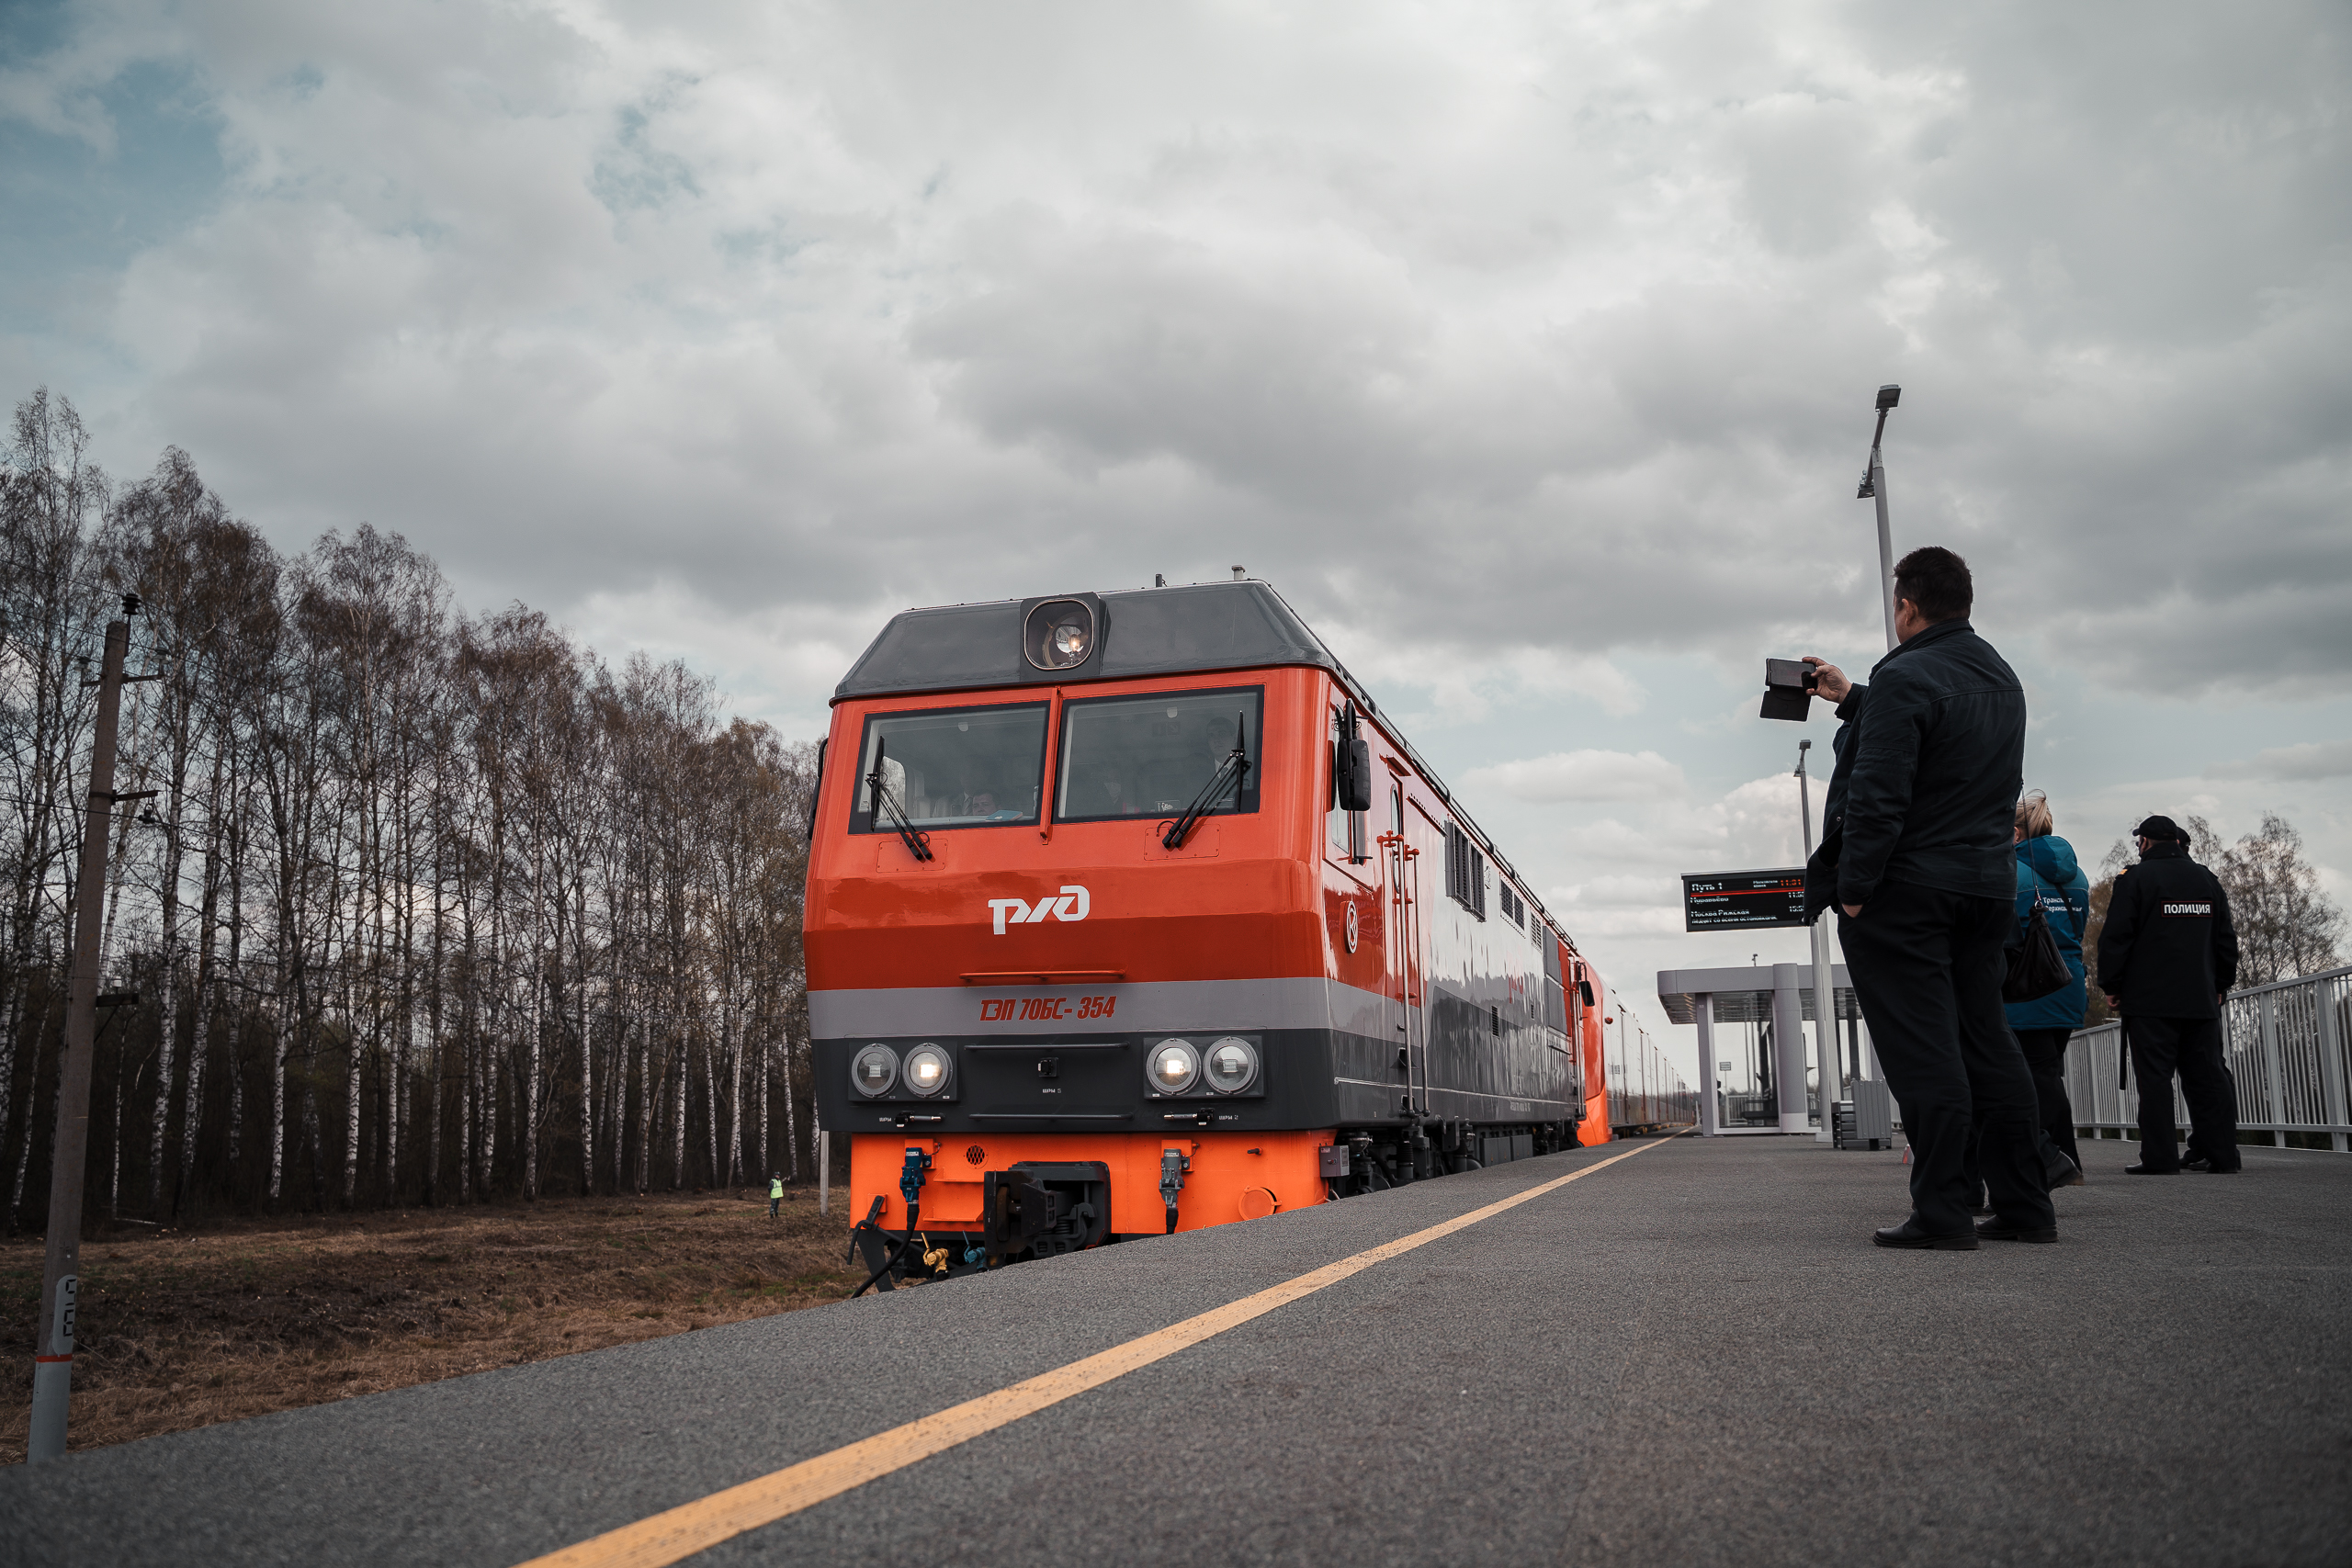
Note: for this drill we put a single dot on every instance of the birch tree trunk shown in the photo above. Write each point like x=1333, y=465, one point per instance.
x=645, y=1107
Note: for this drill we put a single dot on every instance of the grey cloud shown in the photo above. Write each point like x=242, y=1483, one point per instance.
x=1586, y=775
x=2307, y=760
x=1565, y=324
x=1288, y=373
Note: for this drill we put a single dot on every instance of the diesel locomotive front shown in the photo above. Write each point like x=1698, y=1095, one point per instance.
x=1130, y=913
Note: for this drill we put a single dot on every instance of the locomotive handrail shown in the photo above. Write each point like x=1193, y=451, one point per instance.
x=1041, y=976
x=1053, y=1116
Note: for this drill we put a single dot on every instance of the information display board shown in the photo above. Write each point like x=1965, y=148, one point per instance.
x=1727, y=900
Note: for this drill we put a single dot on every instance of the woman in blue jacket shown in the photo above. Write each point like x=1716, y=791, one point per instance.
x=2047, y=873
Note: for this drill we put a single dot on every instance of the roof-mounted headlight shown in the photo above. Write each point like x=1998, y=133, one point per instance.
x=928, y=1069
x=1174, y=1067
x=874, y=1071
x=1060, y=634
x=1231, y=1064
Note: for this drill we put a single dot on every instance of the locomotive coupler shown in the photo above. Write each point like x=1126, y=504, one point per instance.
x=1172, y=1166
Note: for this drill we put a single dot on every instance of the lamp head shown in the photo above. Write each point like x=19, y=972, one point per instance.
x=1888, y=396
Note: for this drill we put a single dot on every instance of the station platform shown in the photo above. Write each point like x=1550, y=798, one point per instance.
x=1690, y=1354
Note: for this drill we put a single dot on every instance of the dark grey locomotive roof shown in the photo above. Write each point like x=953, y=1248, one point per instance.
x=1200, y=627
x=1150, y=631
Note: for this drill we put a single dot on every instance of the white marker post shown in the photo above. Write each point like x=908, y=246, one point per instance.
x=1824, y=994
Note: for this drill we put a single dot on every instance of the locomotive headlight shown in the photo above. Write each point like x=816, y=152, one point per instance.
x=927, y=1069
x=1175, y=1066
x=1060, y=634
x=874, y=1071
x=1232, y=1065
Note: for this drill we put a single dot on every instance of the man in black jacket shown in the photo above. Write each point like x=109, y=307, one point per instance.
x=1915, y=855
x=2168, y=958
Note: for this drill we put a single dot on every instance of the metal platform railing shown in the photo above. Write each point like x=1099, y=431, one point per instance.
x=2287, y=1044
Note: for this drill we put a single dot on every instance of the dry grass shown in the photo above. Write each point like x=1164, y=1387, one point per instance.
x=181, y=1330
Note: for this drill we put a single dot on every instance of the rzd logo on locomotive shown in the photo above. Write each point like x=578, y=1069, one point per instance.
x=1070, y=904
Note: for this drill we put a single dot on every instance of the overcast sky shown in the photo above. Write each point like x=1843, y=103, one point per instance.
x=1528, y=349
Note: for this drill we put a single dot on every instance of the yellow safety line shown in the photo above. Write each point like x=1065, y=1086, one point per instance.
x=680, y=1532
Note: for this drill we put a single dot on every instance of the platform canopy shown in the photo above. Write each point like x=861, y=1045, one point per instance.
x=1743, y=995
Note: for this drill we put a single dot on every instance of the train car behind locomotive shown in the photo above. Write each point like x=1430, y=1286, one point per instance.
x=1130, y=913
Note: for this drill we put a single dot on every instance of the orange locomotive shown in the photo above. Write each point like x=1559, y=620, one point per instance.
x=1127, y=914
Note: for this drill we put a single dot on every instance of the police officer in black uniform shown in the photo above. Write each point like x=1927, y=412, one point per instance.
x=2167, y=960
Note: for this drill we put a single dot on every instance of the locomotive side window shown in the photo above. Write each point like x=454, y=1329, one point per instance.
x=1150, y=756
x=955, y=767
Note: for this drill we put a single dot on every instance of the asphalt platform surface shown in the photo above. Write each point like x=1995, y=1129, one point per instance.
x=1693, y=1357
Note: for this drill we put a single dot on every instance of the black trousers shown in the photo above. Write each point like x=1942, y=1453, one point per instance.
x=2192, y=1046
x=2049, y=1143
x=2046, y=1058
x=1926, y=966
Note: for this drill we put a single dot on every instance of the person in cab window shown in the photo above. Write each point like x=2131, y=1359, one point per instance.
x=2167, y=957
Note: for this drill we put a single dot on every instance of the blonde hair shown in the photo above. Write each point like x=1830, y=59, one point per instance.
x=2033, y=820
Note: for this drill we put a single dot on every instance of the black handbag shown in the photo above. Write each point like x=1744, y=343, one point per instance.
x=2036, y=966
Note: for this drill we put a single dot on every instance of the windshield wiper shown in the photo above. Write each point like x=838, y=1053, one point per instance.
x=1229, y=776
x=887, y=808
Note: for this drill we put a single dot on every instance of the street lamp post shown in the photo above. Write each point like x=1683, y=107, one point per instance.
x=1874, y=486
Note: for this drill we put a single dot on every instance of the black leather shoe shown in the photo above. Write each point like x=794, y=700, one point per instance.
x=2152, y=1170
x=2065, y=1173
x=1911, y=1233
x=2196, y=1162
x=2001, y=1230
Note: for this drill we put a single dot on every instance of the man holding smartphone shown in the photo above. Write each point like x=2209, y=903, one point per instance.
x=1916, y=846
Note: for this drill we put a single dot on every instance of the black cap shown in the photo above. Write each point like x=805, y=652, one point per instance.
x=2162, y=829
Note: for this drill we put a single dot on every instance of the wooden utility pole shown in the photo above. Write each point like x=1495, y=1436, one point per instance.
x=54, y=1338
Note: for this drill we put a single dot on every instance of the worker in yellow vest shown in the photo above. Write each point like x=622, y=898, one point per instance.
x=775, y=1193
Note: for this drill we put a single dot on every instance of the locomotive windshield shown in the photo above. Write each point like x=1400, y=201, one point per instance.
x=1150, y=755
x=955, y=767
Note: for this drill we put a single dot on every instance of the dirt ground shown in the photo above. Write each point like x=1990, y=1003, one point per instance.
x=180, y=1330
